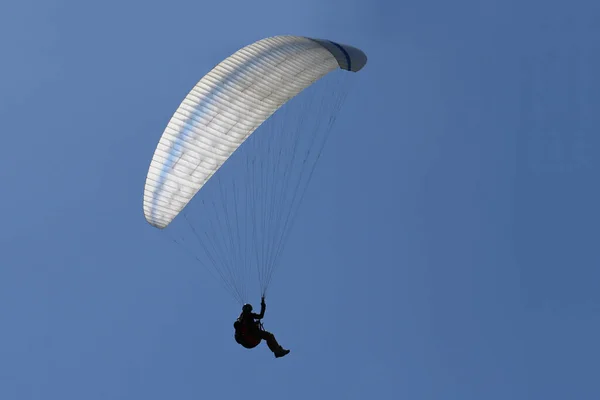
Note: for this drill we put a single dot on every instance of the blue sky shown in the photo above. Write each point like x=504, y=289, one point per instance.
x=445, y=250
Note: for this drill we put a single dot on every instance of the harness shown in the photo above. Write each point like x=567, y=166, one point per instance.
x=243, y=337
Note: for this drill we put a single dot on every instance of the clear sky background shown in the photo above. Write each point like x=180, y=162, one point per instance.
x=447, y=247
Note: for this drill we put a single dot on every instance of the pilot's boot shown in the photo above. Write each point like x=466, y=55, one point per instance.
x=280, y=352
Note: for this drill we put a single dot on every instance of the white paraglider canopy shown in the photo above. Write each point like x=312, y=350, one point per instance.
x=226, y=106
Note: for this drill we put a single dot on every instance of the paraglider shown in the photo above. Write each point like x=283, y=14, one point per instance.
x=249, y=330
x=213, y=129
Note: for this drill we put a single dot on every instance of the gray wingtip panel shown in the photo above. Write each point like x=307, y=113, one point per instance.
x=348, y=57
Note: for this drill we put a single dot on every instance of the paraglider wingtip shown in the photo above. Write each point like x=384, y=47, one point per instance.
x=348, y=57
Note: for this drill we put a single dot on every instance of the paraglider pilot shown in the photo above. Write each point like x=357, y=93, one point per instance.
x=249, y=331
